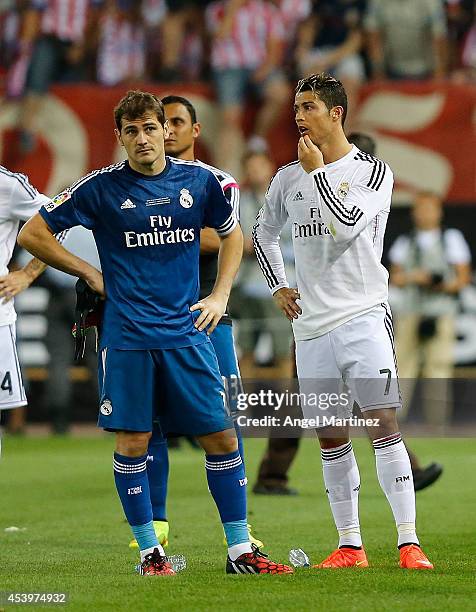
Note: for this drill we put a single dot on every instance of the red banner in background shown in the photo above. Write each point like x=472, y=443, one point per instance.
x=424, y=131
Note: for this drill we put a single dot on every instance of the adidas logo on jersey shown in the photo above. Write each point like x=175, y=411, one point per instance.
x=298, y=197
x=127, y=204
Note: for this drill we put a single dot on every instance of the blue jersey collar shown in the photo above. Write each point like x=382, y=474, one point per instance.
x=147, y=177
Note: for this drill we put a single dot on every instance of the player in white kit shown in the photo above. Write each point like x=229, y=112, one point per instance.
x=19, y=200
x=338, y=200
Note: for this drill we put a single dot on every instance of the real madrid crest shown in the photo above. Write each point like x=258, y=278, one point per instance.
x=186, y=199
x=106, y=407
x=343, y=190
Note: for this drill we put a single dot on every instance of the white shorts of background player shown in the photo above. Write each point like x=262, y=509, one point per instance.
x=12, y=393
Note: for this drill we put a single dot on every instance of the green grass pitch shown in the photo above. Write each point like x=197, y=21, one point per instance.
x=61, y=490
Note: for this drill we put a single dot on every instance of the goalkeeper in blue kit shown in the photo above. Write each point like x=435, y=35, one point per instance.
x=156, y=360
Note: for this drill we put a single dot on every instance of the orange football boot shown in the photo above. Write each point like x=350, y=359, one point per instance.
x=412, y=557
x=345, y=557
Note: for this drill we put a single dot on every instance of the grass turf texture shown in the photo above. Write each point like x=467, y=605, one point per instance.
x=76, y=541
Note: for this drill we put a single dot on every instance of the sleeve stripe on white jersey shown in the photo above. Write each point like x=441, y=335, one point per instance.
x=377, y=186
x=346, y=217
x=261, y=257
x=349, y=214
x=378, y=171
x=22, y=179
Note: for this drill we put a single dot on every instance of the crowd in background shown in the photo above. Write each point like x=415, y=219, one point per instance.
x=243, y=49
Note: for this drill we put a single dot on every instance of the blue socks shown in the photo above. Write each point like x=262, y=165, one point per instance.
x=132, y=483
x=227, y=484
x=158, y=474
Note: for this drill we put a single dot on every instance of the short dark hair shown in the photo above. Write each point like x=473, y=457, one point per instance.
x=184, y=102
x=362, y=141
x=327, y=88
x=136, y=104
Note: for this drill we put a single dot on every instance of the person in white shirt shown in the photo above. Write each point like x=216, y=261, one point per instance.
x=430, y=265
x=19, y=200
x=338, y=200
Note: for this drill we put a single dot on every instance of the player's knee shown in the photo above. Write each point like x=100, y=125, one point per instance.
x=132, y=443
x=219, y=443
x=385, y=420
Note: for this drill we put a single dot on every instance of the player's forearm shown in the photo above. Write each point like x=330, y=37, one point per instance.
x=36, y=238
x=270, y=258
x=344, y=222
x=209, y=241
x=34, y=268
x=229, y=258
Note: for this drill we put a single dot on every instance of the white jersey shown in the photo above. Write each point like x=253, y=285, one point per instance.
x=18, y=202
x=338, y=215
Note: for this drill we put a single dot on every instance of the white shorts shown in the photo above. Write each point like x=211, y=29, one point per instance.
x=12, y=393
x=353, y=363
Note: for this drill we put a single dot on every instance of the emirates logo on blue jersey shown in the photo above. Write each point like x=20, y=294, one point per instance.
x=161, y=233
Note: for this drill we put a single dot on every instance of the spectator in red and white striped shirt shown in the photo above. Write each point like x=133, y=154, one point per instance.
x=246, y=50
x=58, y=29
x=121, y=54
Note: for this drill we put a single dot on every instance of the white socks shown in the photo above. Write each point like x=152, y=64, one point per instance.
x=237, y=550
x=395, y=477
x=342, y=480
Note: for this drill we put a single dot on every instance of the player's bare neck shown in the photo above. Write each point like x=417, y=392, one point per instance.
x=187, y=155
x=335, y=148
x=149, y=169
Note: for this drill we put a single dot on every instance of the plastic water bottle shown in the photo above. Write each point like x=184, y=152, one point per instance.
x=178, y=562
x=298, y=558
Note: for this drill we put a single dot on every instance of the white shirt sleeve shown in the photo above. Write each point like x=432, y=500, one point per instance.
x=269, y=223
x=25, y=200
x=399, y=250
x=456, y=247
x=368, y=195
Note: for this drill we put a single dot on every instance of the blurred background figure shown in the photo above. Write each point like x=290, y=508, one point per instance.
x=182, y=40
x=58, y=397
x=245, y=57
x=57, y=33
x=330, y=40
x=462, y=38
x=293, y=14
x=264, y=336
x=121, y=54
x=430, y=265
x=58, y=391
x=407, y=39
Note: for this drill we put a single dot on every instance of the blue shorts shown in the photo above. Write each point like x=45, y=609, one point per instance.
x=180, y=388
x=224, y=345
